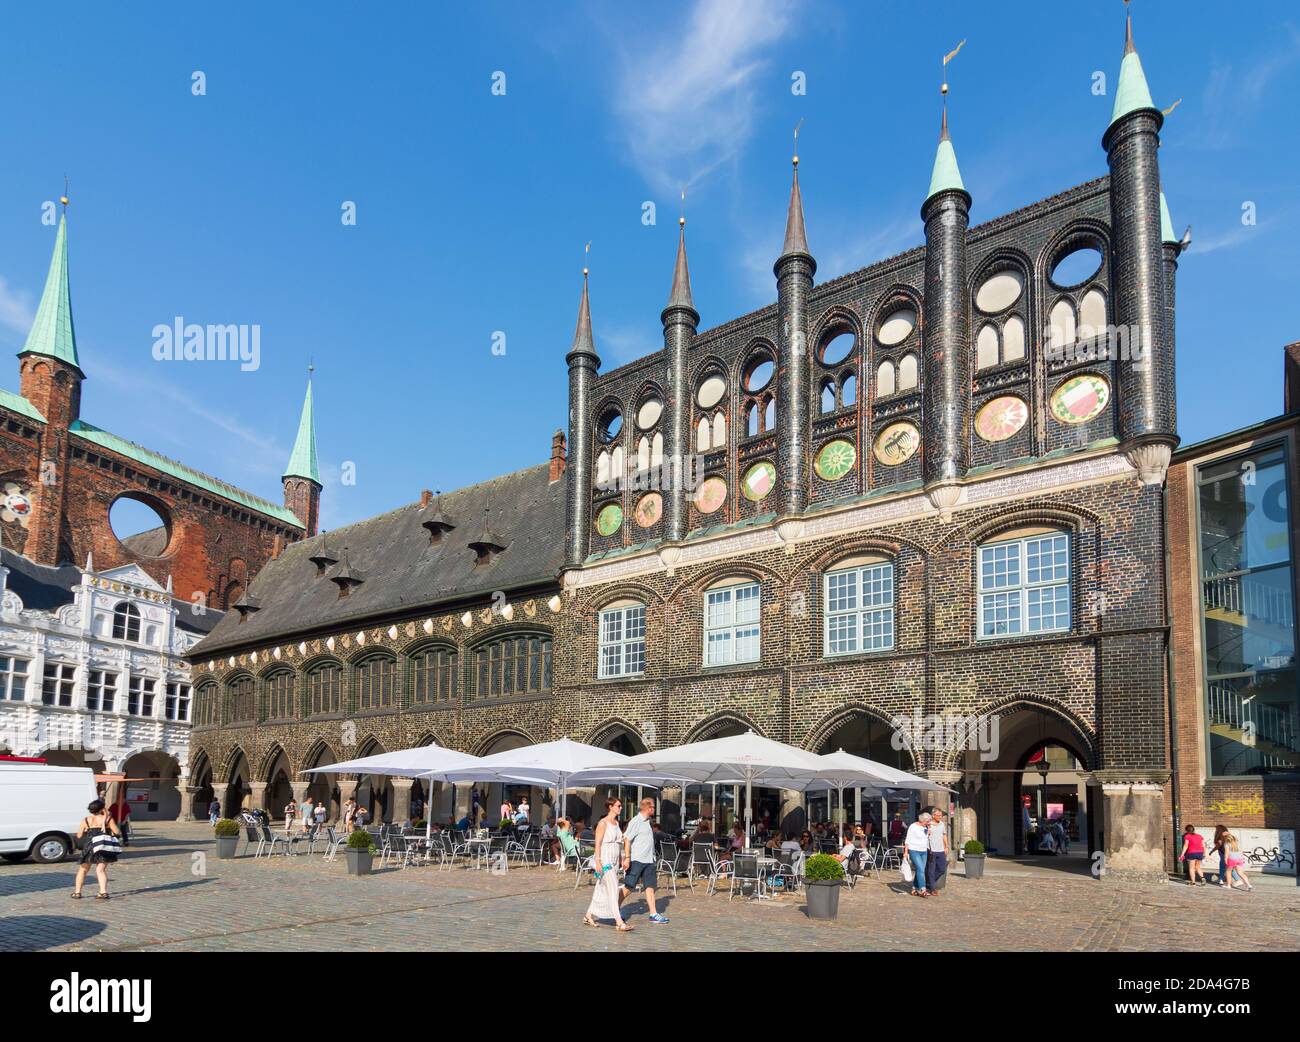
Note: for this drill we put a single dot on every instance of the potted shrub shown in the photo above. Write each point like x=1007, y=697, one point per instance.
x=361, y=853
x=824, y=876
x=506, y=823
x=973, y=853
x=227, y=832
x=420, y=823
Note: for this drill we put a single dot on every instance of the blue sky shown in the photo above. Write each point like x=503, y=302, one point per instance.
x=472, y=209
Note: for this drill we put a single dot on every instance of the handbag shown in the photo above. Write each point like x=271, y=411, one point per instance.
x=905, y=866
x=106, y=843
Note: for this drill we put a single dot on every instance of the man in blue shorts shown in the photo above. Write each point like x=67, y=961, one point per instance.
x=639, y=858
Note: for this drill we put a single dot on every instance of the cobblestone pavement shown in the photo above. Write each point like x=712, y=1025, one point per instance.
x=170, y=892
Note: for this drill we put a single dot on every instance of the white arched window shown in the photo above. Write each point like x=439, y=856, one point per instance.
x=657, y=450
x=622, y=640
x=719, y=431
x=1061, y=324
x=885, y=379
x=602, y=468
x=907, y=372
x=643, y=454
x=1024, y=583
x=126, y=622
x=1092, y=315
x=703, y=437
x=986, y=347
x=1013, y=340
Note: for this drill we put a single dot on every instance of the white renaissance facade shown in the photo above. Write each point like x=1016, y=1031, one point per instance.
x=100, y=680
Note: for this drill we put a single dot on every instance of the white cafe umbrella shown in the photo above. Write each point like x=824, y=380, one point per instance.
x=431, y=762
x=748, y=758
x=550, y=764
x=843, y=770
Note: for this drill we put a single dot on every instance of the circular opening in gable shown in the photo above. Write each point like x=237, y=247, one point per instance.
x=648, y=415
x=838, y=348
x=759, y=374
x=611, y=422
x=897, y=326
x=139, y=526
x=1077, y=266
x=711, y=392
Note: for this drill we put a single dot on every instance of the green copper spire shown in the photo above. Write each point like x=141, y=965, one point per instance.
x=945, y=175
x=52, y=333
x=1166, y=222
x=1132, y=93
x=302, y=464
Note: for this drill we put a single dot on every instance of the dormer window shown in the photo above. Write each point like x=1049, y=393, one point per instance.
x=126, y=622
x=247, y=605
x=322, y=559
x=487, y=545
x=435, y=522
x=345, y=577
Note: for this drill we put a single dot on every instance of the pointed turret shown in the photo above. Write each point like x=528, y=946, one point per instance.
x=796, y=238
x=945, y=176
x=945, y=334
x=583, y=342
x=1166, y=223
x=302, y=484
x=583, y=363
x=1132, y=93
x=680, y=295
x=680, y=321
x=794, y=271
x=53, y=333
x=1148, y=422
x=302, y=461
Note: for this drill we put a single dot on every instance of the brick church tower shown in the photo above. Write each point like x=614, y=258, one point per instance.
x=50, y=379
x=301, y=478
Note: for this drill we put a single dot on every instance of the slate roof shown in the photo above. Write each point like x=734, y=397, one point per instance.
x=45, y=587
x=402, y=574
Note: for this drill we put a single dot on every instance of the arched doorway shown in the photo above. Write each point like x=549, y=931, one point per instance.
x=862, y=734
x=237, y=787
x=621, y=738
x=152, y=786
x=1038, y=775
x=279, y=790
x=201, y=787
x=75, y=758
x=375, y=791
x=724, y=805
x=322, y=788
x=491, y=796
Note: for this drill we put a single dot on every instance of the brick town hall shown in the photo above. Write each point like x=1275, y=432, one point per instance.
x=932, y=487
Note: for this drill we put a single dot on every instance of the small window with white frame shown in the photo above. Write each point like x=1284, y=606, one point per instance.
x=101, y=690
x=13, y=679
x=731, y=624
x=177, y=704
x=139, y=696
x=622, y=641
x=859, y=607
x=59, y=685
x=1024, y=585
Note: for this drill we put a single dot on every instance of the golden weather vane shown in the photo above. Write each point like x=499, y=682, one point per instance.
x=1165, y=112
x=946, y=59
x=586, y=250
x=64, y=197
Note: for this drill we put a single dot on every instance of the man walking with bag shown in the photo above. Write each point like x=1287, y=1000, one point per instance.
x=639, y=858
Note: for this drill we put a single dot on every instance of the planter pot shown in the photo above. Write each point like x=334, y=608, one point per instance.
x=226, y=847
x=823, y=898
x=974, y=866
x=359, y=862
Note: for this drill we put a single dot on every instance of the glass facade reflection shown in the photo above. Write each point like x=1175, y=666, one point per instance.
x=1248, y=614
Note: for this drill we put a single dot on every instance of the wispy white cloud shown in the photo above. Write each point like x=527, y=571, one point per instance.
x=618, y=345
x=1233, y=93
x=16, y=311
x=265, y=461
x=687, y=102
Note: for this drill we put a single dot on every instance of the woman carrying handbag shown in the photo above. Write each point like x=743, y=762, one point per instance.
x=100, y=841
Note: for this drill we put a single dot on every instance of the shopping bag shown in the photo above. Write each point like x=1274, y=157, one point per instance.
x=906, y=868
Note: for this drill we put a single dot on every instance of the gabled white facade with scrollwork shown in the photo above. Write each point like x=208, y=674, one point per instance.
x=100, y=680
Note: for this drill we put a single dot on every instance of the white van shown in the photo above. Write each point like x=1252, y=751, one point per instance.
x=41, y=808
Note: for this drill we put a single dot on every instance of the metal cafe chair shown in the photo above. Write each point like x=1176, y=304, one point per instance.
x=747, y=872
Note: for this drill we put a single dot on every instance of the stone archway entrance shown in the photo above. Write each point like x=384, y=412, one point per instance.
x=862, y=734
x=375, y=791
x=322, y=788
x=279, y=789
x=152, y=786
x=588, y=804
x=200, y=788
x=1038, y=777
x=237, y=787
x=492, y=795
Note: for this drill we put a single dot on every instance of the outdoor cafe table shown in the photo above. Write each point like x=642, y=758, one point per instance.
x=478, y=848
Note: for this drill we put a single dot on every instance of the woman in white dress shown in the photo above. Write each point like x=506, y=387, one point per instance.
x=609, y=855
